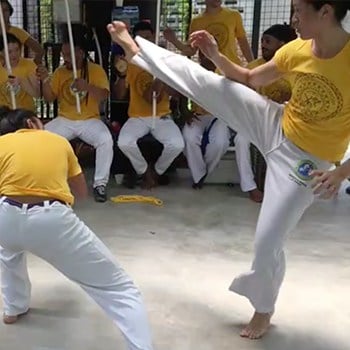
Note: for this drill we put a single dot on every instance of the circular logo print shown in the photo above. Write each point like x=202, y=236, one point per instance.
x=317, y=97
x=304, y=168
x=221, y=34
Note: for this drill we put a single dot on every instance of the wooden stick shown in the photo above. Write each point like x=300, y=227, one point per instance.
x=72, y=50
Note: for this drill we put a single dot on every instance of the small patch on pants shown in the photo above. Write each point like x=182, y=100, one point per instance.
x=302, y=172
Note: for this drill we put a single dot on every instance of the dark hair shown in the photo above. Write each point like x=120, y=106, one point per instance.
x=11, y=39
x=80, y=38
x=9, y=6
x=13, y=120
x=143, y=25
x=341, y=7
x=282, y=32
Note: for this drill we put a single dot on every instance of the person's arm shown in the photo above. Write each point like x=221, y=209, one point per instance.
x=38, y=50
x=100, y=94
x=47, y=90
x=30, y=86
x=78, y=186
x=327, y=183
x=185, y=48
x=245, y=48
x=121, y=86
x=97, y=86
x=76, y=178
x=255, y=78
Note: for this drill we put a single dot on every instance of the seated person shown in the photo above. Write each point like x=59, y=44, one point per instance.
x=141, y=85
x=93, y=88
x=24, y=37
x=280, y=91
x=206, y=139
x=23, y=81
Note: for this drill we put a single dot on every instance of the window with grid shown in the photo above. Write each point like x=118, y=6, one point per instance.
x=176, y=14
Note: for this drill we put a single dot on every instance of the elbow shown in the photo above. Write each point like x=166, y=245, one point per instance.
x=250, y=81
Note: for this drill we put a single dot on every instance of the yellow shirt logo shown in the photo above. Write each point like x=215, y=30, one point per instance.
x=221, y=34
x=318, y=98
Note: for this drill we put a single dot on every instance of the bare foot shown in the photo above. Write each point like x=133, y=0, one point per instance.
x=256, y=196
x=13, y=319
x=257, y=327
x=119, y=34
x=148, y=181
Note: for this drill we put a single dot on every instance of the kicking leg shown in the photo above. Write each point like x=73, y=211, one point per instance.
x=241, y=108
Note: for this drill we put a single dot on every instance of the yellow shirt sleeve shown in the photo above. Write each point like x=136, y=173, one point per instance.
x=74, y=168
x=282, y=58
x=240, y=31
x=19, y=33
x=99, y=77
x=30, y=67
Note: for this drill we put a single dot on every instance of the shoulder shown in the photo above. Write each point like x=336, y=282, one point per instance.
x=14, y=29
x=231, y=13
x=20, y=33
x=296, y=46
x=28, y=63
x=55, y=138
x=133, y=69
x=95, y=66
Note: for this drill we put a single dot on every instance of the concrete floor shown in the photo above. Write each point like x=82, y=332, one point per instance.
x=183, y=256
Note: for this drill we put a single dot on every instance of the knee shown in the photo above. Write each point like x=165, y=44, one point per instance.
x=189, y=137
x=241, y=142
x=106, y=141
x=126, y=142
x=177, y=145
x=220, y=145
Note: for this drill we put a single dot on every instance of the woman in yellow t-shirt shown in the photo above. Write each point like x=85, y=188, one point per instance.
x=300, y=141
x=23, y=80
x=24, y=37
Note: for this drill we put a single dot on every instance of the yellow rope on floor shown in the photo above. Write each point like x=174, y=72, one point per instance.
x=137, y=199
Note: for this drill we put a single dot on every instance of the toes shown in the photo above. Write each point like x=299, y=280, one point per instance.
x=255, y=335
x=245, y=332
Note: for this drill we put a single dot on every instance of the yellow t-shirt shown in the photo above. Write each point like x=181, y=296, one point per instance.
x=37, y=163
x=19, y=33
x=139, y=81
x=317, y=118
x=279, y=91
x=61, y=82
x=25, y=68
x=226, y=26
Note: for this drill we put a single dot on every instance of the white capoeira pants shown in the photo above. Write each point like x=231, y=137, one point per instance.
x=287, y=189
x=219, y=141
x=244, y=163
x=165, y=131
x=93, y=132
x=55, y=234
